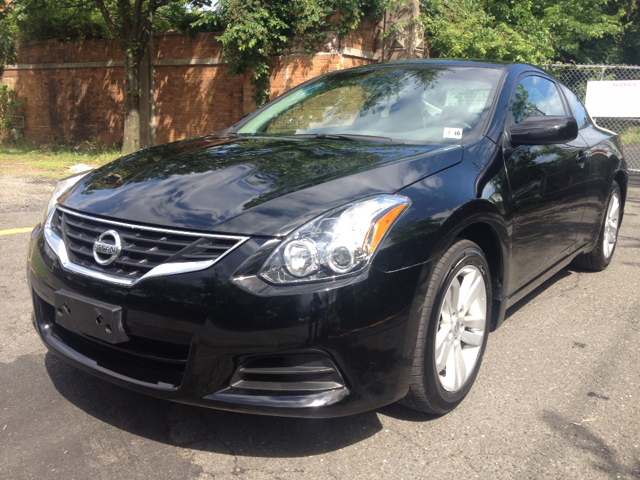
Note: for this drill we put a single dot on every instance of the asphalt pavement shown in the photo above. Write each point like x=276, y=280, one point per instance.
x=557, y=396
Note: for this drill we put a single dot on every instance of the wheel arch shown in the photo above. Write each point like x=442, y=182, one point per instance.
x=622, y=178
x=485, y=236
x=482, y=223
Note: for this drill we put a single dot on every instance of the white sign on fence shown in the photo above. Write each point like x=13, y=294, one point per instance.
x=614, y=99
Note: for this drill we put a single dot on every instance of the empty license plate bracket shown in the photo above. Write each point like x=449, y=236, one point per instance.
x=90, y=317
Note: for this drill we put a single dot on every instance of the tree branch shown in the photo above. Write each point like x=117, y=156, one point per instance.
x=108, y=19
x=146, y=30
x=137, y=12
x=125, y=12
x=76, y=5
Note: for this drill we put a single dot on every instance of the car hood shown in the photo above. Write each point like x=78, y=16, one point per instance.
x=250, y=185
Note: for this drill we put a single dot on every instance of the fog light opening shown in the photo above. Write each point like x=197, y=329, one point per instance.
x=288, y=374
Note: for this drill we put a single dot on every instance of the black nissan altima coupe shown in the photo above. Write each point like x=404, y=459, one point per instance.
x=350, y=244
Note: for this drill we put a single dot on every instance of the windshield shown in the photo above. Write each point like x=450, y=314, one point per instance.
x=413, y=104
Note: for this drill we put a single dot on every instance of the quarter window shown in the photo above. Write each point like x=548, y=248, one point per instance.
x=535, y=96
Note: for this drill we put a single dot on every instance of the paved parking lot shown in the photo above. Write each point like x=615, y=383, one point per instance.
x=557, y=397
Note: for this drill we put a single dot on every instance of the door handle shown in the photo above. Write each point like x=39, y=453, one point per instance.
x=581, y=157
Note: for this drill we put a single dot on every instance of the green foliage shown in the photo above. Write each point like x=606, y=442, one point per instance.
x=630, y=135
x=7, y=35
x=70, y=20
x=582, y=31
x=464, y=29
x=256, y=30
x=9, y=106
x=570, y=24
x=63, y=20
x=184, y=16
x=629, y=50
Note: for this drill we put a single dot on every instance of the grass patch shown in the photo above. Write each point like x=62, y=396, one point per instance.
x=53, y=161
x=631, y=135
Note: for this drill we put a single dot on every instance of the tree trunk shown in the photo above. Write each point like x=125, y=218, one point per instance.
x=147, y=99
x=131, y=140
x=133, y=30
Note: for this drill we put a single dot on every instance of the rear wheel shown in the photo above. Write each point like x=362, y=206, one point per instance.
x=453, y=330
x=600, y=257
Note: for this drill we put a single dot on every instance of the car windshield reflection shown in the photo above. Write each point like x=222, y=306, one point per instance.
x=400, y=104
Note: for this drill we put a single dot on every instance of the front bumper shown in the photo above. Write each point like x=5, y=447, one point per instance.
x=190, y=334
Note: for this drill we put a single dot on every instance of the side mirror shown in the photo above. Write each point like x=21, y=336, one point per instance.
x=544, y=130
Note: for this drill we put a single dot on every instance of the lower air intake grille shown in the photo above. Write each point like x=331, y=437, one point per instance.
x=309, y=372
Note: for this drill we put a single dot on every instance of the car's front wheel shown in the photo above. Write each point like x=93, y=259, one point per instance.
x=453, y=330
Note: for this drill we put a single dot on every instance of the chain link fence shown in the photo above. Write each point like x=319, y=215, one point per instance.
x=576, y=77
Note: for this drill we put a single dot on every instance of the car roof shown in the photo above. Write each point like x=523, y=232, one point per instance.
x=516, y=68
x=452, y=62
x=456, y=62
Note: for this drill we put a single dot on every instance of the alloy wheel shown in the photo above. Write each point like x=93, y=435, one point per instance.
x=461, y=328
x=611, y=225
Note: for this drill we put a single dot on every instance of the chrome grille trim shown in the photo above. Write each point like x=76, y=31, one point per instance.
x=58, y=246
x=150, y=229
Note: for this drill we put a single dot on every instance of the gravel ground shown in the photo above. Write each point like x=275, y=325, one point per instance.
x=557, y=397
x=24, y=194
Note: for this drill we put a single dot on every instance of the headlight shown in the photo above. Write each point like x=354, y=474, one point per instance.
x=62, y=187
x=338, y=243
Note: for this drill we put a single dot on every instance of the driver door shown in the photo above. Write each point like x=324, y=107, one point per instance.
x=549, y=186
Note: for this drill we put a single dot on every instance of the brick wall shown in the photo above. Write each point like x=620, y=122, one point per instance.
x=191, y=101
x=172, y=46
x=53, y=51
x=81, y=102
x=77, y=88
x=292, y=70
x=364, y=37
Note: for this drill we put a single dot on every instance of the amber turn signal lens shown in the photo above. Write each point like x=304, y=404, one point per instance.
x=382, y=225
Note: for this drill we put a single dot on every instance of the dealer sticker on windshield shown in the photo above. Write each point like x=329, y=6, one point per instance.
x=452, y=133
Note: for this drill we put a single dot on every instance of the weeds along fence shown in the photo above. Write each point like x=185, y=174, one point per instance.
x=576, y=77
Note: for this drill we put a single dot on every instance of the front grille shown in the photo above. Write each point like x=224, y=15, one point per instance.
x=143, y=248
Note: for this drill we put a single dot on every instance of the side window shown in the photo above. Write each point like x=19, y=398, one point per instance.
x=577, y=108
x=535, y=96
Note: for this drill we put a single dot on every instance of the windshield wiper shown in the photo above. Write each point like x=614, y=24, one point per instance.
x=348, y=137
x=354, y=138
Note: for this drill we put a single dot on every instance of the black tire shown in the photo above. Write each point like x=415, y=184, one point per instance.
x=596, y=260
x=426, y=392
